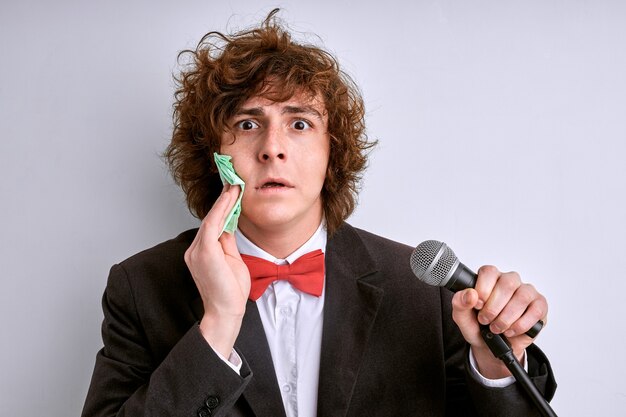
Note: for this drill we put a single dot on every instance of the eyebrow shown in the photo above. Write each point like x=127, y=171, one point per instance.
x=258, y=111
x=253, y=111
x=301, y=110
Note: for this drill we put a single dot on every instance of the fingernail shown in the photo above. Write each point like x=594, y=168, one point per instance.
x=479, y=304
x=466, y=297
x=509, y=333
x=496, y=328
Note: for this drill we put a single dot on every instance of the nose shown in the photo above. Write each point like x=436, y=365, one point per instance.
x=273, y=146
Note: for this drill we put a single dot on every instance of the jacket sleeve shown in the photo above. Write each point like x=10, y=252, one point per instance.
x=467, y=396
x=191, y=381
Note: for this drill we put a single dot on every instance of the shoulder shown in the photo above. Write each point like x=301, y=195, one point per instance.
x=159, y=266
x=385, y=264
x=377, y=243
x=152, y=295
x=383, y=251
x=363, y=252
x=169, y=252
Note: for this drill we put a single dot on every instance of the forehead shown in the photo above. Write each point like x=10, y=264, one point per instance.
x=300, y=100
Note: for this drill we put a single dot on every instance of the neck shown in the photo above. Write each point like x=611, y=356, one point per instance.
x=279, y=242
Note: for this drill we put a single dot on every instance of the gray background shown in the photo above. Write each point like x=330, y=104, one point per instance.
x=501, y=128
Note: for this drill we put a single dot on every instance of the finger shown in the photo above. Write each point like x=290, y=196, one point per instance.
x=487, y=277
x=233, y=195
x=213, y=222
x=503, y=291
x=204, y=225
x=515, y=308
x=537, y=310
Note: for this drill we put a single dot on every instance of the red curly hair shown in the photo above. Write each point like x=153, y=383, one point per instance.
x=226, y=70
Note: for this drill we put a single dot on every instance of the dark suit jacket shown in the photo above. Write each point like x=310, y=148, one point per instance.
x=389, y=345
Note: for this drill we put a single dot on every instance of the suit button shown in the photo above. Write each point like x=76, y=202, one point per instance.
x=212, y=402
x=204, y=412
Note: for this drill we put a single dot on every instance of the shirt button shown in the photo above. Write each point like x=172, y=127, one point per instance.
x=286, y=388
x=286, y=311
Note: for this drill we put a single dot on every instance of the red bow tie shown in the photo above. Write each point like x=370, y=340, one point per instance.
x=306, y=273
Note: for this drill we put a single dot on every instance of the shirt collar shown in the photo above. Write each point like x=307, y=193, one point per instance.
x=316, y=241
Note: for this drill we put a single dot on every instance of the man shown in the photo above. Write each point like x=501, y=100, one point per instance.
x=189, y=329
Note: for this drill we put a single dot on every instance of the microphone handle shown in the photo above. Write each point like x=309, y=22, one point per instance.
x=463, y=278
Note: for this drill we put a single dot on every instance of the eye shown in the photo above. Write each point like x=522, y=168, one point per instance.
x=301, y=125
x=247, y=125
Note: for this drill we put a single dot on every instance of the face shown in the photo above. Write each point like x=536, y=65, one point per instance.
x=281, y=151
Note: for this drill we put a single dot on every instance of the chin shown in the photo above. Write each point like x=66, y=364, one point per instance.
x=272, y=220
x=277, y=218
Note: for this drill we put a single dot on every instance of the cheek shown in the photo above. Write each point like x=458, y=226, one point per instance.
x=316, y=171
x=318, y=159
x=241, y=160
x=324, y=163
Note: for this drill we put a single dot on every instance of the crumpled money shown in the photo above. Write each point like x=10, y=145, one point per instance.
x=228, y=175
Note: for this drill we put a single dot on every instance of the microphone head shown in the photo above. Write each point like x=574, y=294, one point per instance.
x=433, y=262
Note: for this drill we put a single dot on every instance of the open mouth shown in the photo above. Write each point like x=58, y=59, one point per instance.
x=273, y=184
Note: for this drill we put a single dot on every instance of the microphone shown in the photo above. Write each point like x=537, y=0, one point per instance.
x=434, y=263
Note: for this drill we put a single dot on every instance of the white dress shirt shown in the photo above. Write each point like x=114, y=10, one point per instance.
x=293, y=326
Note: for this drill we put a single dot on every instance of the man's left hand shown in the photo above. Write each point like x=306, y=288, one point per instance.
x=507, y=305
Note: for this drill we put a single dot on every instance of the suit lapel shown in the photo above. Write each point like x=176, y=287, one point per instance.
x=262, y=393
x=349, y=311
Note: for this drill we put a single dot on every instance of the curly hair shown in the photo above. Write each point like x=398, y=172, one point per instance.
x=226, y=70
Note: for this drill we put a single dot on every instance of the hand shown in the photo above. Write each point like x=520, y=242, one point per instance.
x=220, y=275
x=507, y=305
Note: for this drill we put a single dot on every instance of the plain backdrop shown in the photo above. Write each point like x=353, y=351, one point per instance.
x=502, y=129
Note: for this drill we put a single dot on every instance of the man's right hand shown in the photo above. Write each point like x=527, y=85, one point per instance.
x=221, y=276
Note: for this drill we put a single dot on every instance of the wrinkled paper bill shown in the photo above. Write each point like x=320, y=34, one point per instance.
x=228, y=175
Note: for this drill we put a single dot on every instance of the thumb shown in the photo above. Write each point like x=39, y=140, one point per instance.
x=464, y=316
x=465, y=300
x=229, y=245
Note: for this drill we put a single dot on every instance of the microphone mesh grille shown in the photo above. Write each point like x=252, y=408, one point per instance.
x=423, y=257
